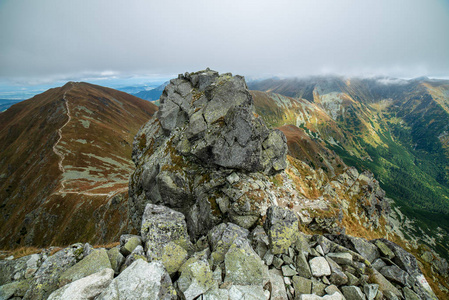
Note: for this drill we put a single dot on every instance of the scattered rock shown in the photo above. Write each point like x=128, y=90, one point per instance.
x=45, y=280
x=319, y=267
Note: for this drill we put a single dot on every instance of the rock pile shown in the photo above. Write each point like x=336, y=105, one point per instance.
x=274, y=261
x=206, y=154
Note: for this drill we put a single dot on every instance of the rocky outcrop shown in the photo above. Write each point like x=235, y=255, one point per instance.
x=200, y=151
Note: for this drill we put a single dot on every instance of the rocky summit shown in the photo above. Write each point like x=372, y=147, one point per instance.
x=220, y=213
x=201, y=150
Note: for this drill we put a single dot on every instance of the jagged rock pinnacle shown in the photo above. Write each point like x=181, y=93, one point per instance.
x=205, y=131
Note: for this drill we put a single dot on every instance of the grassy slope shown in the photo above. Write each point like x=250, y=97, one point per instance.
x=404, y=155
x=97, y=142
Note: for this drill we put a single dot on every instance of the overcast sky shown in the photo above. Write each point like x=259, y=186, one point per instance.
x=46, y=40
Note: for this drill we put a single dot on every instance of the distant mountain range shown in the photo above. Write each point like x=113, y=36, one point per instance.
x=152, y=95
x=65, y=162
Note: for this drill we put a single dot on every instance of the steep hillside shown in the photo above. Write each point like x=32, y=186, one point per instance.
x=395, y=128
x=65, y=163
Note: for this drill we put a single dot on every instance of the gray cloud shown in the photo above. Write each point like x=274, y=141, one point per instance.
x=57, y=39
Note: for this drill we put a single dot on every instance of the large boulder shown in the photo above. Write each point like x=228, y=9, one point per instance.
x=85, y=288
x=200, y=150
x=96, y=261
x=141, y=280
x=161, y=225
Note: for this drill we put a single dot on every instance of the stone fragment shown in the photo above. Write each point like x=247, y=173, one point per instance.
x=370, y=291
x=341, y=258
x=243, y=266
x=352, y=280
x=288, y=271
x=96, y=261
x=137, y=254
x=302, y=266
x=196, y=278
x=302, y=285
x=15, y=288
x=116, y=259
x=130, y=245
x=87, y=249
x=85, y=288
x=141, y=280
x=319, y=267
x=378, y=264
x=410, y=295
x=277, y=262
x=216, y=294
x=331, y=289
x=246, y=292
x=281, y=226
x=352, y=293
x=318, y=287
x=338, y=277
x=173, y=256
x=383, y=249
x=395, y=274
x=365, y=248
x=385, y=286
x=268, y=258
x=278, y=291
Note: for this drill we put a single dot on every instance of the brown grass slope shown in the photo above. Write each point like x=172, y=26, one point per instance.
x=64, y=165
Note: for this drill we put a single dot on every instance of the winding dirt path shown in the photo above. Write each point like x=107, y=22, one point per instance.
x=62, y=189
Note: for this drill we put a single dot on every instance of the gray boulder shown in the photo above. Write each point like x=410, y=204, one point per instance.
x=96, y=261
x=319, y=267
x=243, y=266
x=85, y=288
x=45, y=280
x=141, y=280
